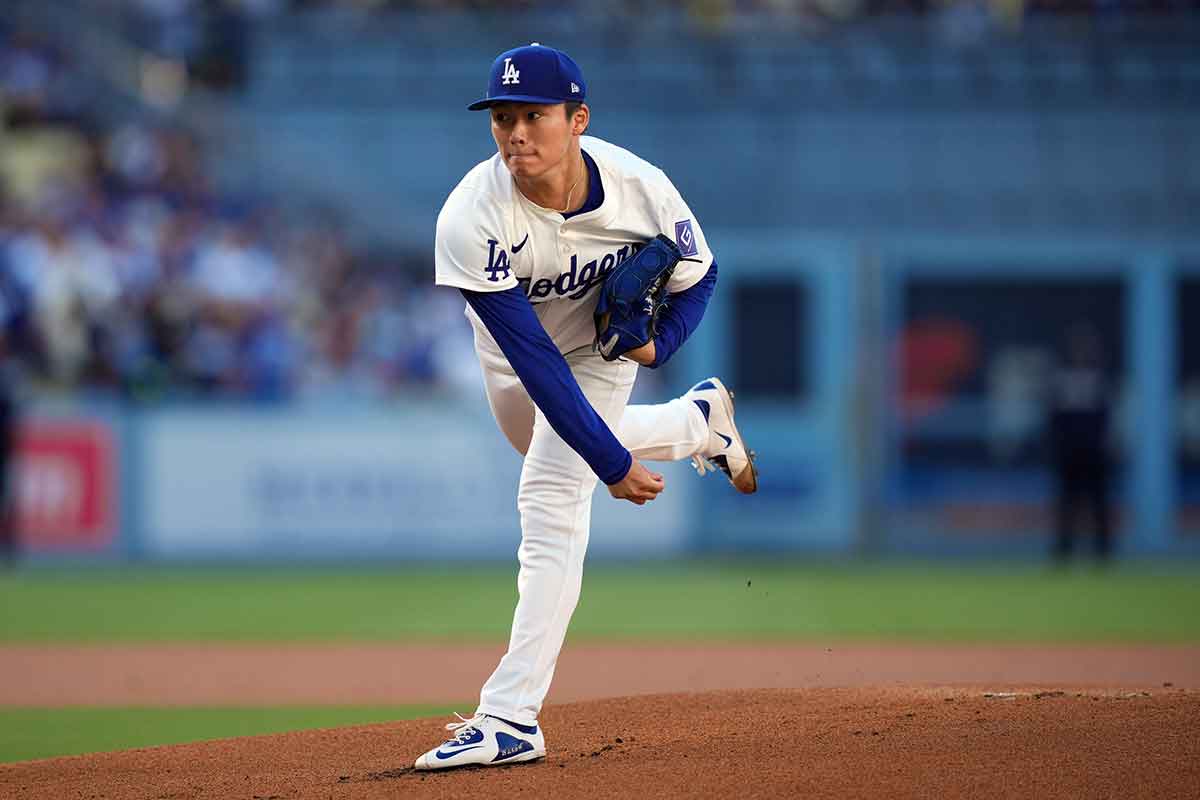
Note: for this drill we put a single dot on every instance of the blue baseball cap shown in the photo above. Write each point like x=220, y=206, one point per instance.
x=533, y=74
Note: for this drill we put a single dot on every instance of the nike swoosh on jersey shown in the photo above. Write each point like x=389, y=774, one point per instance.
x=516, y=248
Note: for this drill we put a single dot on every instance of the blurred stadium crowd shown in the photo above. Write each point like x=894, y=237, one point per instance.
x=123, y=273
x=212, y=36
x=839, y=9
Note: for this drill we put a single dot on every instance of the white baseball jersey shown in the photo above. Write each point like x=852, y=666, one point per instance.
x=491, y=238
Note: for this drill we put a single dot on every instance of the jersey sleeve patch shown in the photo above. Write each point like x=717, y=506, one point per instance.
x=685, y=238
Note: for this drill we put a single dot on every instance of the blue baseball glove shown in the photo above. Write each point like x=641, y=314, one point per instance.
x=633, y=296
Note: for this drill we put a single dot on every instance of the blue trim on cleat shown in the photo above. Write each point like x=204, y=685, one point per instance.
x=704, y=407
x=529, y=729
x=510, y=746
x=701, y=386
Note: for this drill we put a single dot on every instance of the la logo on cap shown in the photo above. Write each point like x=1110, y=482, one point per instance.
x=511, y=73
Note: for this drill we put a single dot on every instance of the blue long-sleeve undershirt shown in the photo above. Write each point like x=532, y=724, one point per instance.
x=681, y=316
x=510, y=319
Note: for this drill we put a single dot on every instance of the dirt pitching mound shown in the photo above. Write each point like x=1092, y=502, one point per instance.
x=836, y=743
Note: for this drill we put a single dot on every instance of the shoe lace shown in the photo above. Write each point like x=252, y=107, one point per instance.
x=703, y=466
x=464, y=727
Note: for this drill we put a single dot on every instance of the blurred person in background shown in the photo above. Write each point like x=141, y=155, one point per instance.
x=69, y=277
x=8, y=426
x=239, y=287
x=1079, y=425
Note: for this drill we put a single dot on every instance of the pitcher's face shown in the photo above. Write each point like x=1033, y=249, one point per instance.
x=533, y=138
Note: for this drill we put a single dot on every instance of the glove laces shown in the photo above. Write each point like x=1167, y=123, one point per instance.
x=703, y=466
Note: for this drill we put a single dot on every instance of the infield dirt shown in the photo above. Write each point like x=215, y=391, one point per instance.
x=843, y=721
x=835, y=743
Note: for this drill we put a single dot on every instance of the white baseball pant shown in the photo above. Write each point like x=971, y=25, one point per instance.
x=555, y=503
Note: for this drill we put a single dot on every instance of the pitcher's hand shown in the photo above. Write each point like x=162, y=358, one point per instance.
x=638, y=486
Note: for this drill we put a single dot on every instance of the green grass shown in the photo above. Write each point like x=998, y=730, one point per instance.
x=744, y=600
x=735, y=601
x=28, y=733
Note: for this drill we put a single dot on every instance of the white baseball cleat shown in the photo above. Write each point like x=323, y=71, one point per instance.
x=726, y=450
x=486, y=741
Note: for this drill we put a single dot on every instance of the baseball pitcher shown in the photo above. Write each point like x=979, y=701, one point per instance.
x=579, y=262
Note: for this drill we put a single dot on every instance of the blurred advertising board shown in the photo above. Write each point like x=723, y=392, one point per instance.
x=411, y=483
x=979, y=362
x=66, y=486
